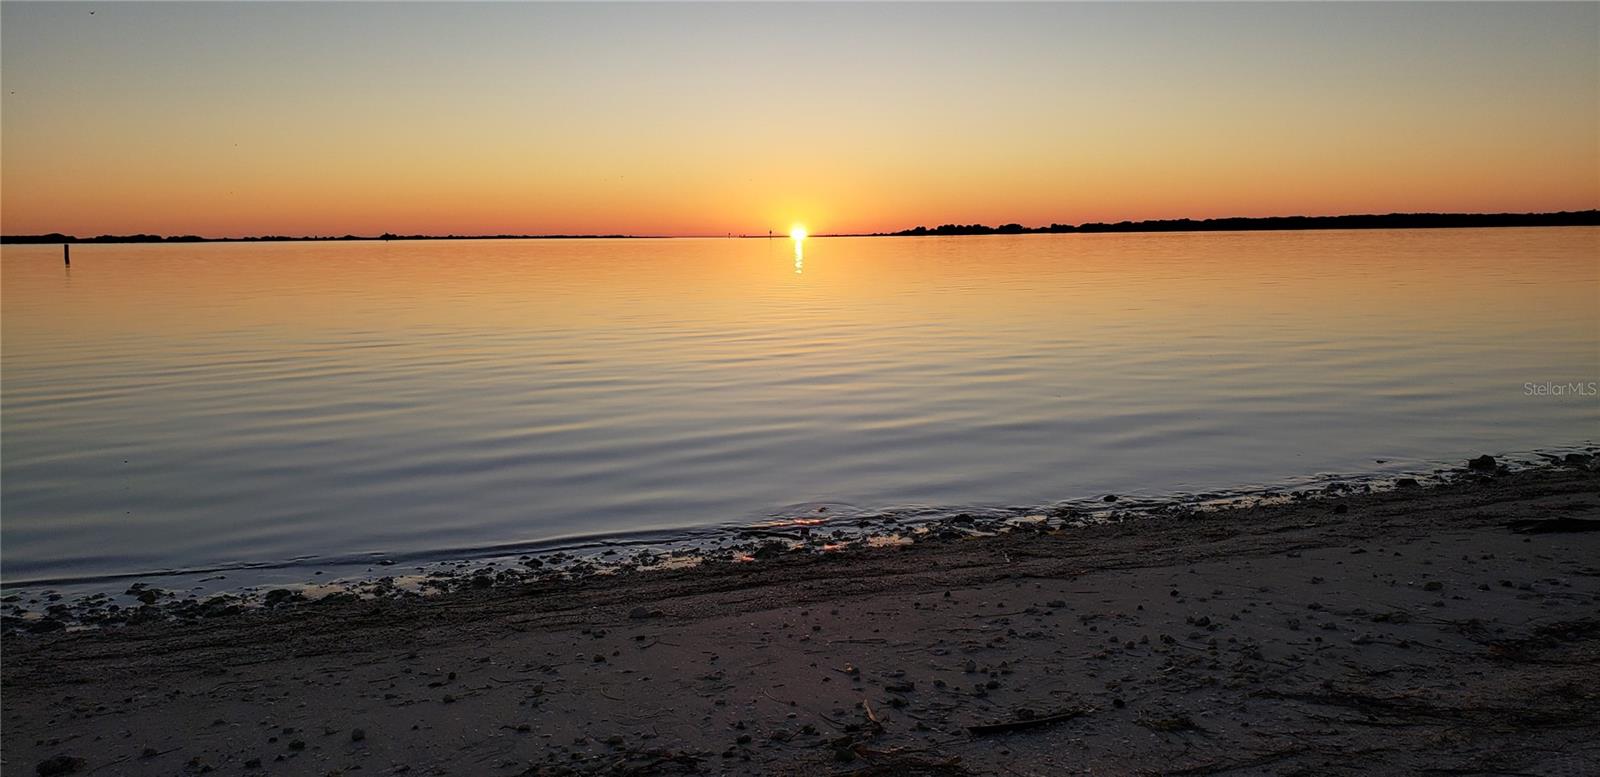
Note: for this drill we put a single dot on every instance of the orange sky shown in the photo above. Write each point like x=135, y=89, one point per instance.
x=234, y=119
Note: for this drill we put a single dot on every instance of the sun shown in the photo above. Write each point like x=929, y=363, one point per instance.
x=798, y=232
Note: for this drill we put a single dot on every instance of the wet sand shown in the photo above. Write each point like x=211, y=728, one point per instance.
x=1414, y=631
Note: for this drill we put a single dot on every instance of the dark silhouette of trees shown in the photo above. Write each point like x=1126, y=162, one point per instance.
x=58, y=238
x=1244, y=224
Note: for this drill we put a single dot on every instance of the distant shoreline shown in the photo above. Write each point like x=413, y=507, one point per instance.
x=56, y=238
x=1578, y=218
x=1581, y=218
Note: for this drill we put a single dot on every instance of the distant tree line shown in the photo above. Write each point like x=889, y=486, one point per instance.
x=1236, y=224
x=57, y=237
x=1240, y=224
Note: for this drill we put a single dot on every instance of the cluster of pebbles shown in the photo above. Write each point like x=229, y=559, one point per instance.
x=818, y=530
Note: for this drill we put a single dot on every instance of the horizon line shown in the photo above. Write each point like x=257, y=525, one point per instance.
x=1395, y=220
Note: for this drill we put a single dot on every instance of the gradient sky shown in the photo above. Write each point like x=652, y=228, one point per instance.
x=279, y=118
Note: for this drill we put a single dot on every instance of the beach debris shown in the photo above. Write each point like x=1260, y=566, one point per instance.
x=1027, y=718
x=1560, y=525
x=872, y=717
x=279, y=596
x=770, y=550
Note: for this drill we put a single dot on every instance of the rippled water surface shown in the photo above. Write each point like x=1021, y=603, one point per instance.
x=219, y=405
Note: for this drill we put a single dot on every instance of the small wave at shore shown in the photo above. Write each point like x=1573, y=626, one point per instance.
x=803, y=528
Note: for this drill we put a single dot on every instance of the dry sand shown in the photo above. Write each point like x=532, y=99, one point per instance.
x=1412, y=633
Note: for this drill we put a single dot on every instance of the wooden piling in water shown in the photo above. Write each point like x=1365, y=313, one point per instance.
x=66, y=254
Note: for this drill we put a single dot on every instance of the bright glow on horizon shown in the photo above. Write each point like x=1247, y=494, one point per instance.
x=798, y=232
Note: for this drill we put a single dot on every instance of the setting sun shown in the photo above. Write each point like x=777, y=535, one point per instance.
x=798, y=232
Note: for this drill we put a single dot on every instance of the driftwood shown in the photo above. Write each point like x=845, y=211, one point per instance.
x=1560, y=525
x=983, y=729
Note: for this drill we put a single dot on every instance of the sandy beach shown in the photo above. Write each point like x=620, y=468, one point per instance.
x=1448, y=630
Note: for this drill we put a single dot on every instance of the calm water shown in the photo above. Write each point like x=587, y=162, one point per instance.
x=191, y=407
